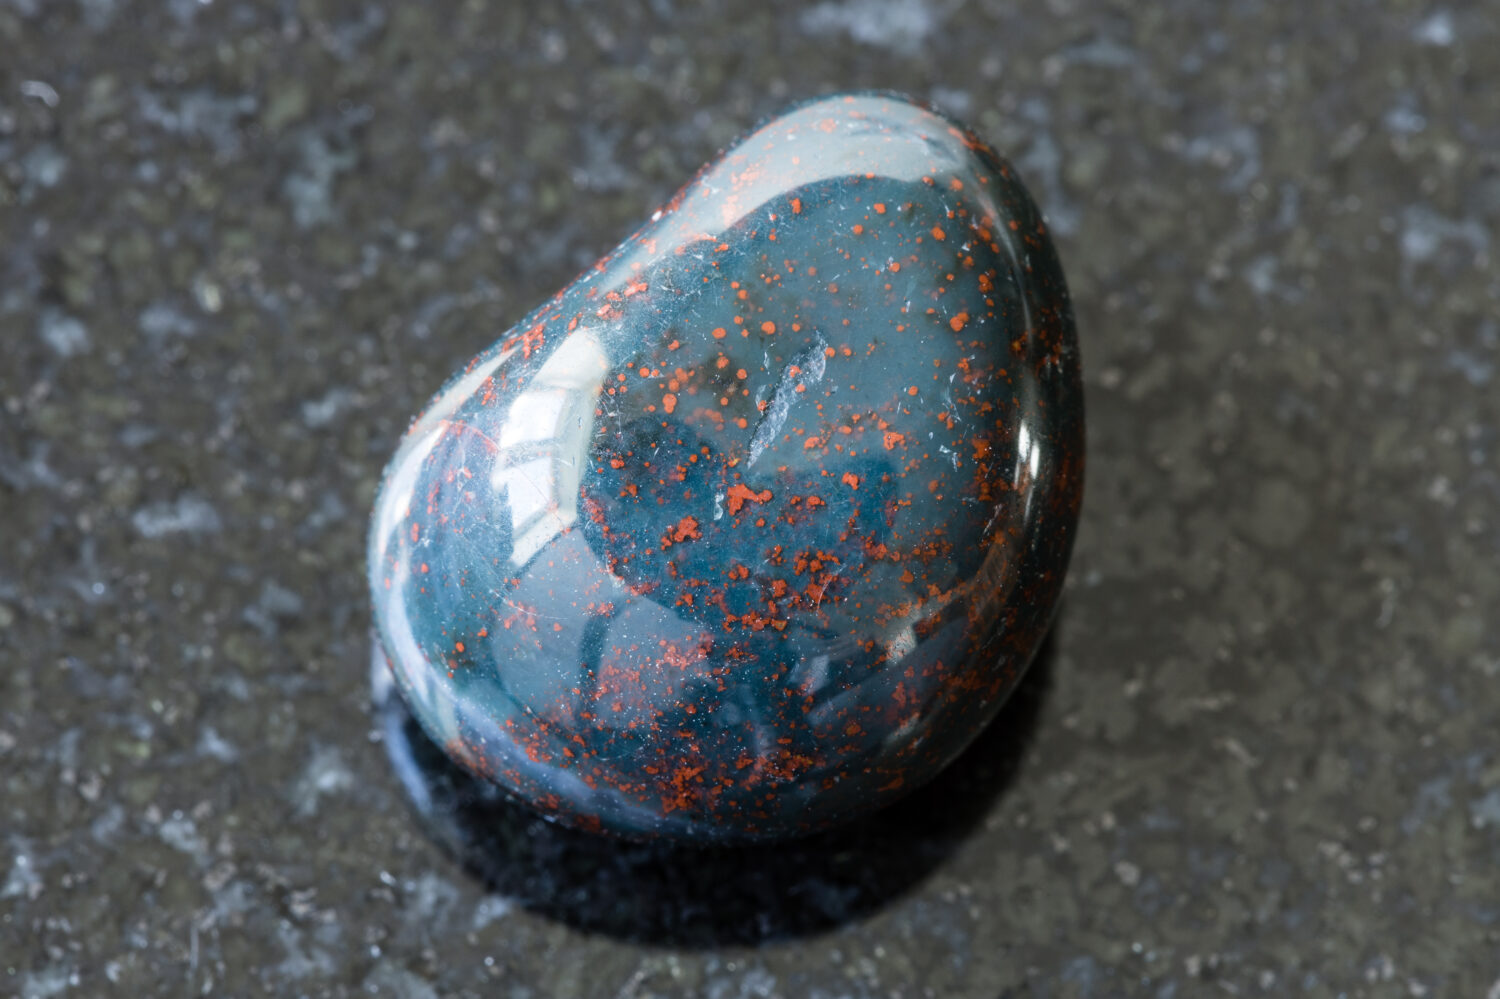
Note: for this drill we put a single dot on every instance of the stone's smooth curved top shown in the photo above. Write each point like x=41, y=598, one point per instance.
x=753, y=527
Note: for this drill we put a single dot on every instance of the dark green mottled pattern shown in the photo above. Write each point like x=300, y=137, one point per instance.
x=755, y=525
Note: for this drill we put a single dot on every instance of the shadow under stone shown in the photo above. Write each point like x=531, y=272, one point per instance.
x=668, y=894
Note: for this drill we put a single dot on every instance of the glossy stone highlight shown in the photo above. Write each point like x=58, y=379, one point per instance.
x=753, y=527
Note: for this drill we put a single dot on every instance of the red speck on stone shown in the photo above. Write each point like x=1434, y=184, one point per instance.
x=740, y=494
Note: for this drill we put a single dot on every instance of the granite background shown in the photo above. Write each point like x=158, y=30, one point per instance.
x=240, y=244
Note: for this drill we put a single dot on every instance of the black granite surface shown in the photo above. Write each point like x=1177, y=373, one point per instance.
x=241, y=243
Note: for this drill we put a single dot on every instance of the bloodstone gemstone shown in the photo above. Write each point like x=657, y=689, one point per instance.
x=753, y=527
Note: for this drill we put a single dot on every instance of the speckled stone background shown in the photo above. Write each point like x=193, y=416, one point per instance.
x=241, y=243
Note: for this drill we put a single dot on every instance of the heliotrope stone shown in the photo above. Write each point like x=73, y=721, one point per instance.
x=753, y=527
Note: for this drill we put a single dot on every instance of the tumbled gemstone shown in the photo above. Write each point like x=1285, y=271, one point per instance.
x=753, y=527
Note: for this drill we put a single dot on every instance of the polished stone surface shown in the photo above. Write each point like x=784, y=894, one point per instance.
x=755, y=525
x=242, y=243
x=702, y=894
